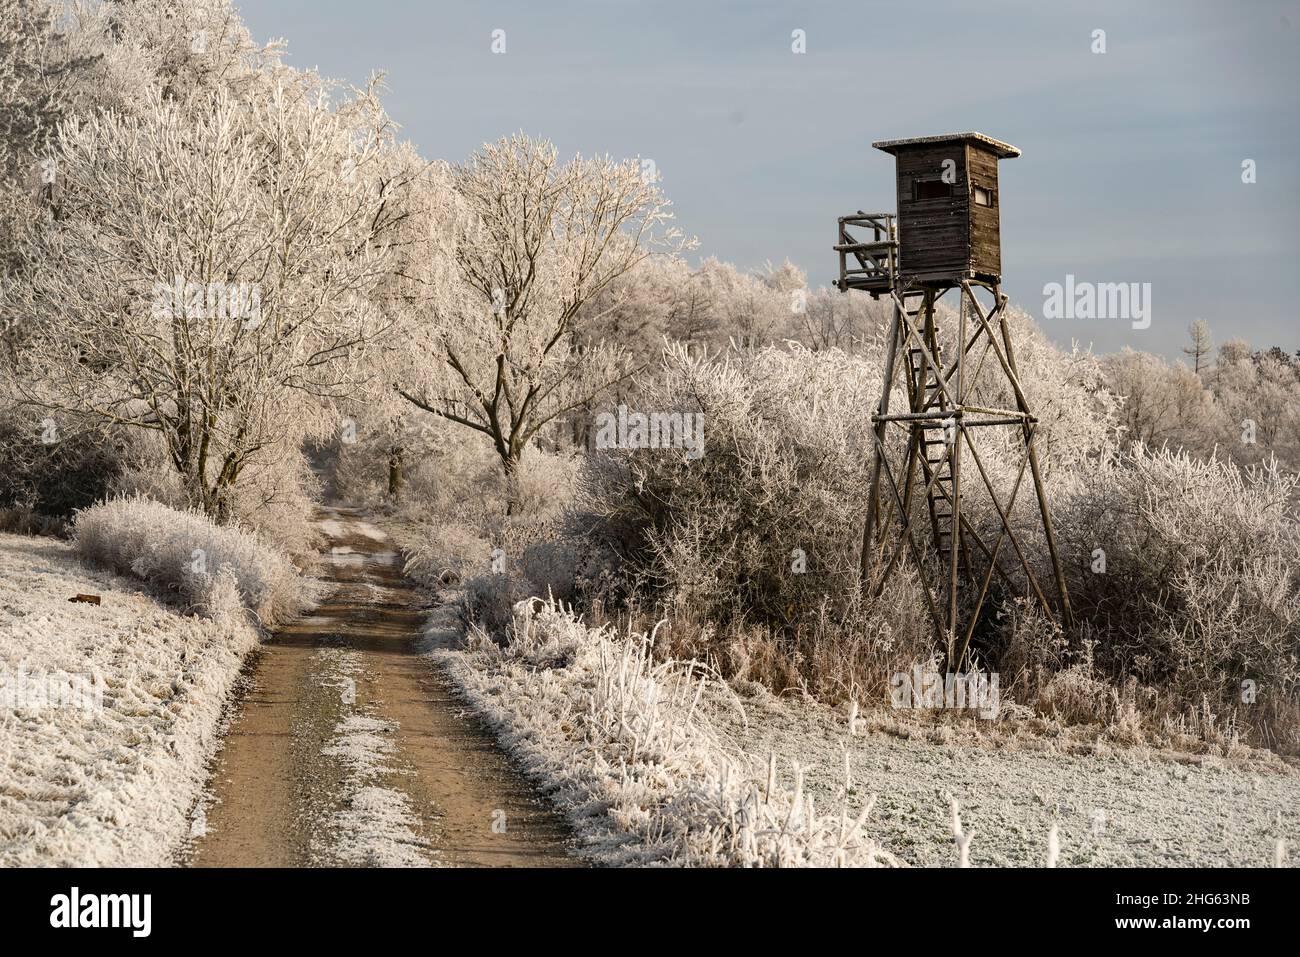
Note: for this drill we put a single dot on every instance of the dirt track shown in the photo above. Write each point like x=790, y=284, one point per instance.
x=347, y=748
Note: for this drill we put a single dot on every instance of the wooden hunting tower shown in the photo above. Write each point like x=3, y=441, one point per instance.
x=948, y=205
x=945, y=238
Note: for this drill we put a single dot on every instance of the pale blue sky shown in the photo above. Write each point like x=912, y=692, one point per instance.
x=1132, y=159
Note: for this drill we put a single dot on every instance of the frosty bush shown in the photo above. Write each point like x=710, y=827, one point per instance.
x=277, y=501
x=489, y=600
x=621, y=740
x=752, y=549
x=1067, y=390
x=212, y=569
x=1200, y=591
x=53, y=466
x=462, y=534
x=273, y=500
x=766, y=525
x=763, y=524
x=445, y=552
x=545, y=484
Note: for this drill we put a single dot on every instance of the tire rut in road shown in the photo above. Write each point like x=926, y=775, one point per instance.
x=348, y=748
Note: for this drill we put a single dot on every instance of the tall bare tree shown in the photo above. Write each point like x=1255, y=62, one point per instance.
x=523, y=244
x=1201, y=344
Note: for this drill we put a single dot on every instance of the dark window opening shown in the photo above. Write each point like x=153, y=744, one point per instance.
x=931, y=189
x=985, y=197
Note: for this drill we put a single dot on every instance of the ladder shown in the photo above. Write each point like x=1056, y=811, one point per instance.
x=933, y=436
x=940, y=427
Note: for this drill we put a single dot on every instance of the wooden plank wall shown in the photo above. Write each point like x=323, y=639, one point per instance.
x=986, y=246
x=934, y=238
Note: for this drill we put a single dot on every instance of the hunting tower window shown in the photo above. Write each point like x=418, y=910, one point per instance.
x=984, y=197
x=931, y=189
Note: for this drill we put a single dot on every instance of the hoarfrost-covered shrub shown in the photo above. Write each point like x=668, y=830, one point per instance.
x=50, y=466
x=621, y=740
x=1200, y=591
x=752, y=549
x=1067, y=391
x=147, y=473
x=560, y=567
x=765, y=525
x=544, y=484
x=1077, y=413
x=214, y=570
x=444, y=552
x=490, y=599
x=276, y=501
x=766, y=521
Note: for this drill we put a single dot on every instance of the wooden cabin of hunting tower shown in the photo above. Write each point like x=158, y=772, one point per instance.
x=948, y=206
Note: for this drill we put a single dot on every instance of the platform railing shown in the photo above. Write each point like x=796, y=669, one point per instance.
x=868, y=250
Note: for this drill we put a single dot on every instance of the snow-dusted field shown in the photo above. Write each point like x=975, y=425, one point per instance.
x=1128, y=808
x=111, y=784
x=652, y=769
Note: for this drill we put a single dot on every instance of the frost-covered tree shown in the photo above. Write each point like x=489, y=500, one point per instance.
x=39, y=70
x=833, y=320
x=1234, y=350
x=1246, y=406
x=1199, y=345
x=1162, y=405
x=750, y=312
x=29, y=91
x=636, y=310
x=185, y=50
x=694, y=317
x=1259, y=396
x=29, y=75
x=213, y=275
x=531, y=242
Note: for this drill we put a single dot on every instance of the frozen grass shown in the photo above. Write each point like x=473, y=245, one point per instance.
x=212, y=569
x=621, y=744
x=647, y=759
x=1111, y=806
x=110, y=786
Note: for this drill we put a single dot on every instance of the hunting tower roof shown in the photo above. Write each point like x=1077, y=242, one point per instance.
x=1003, y=150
